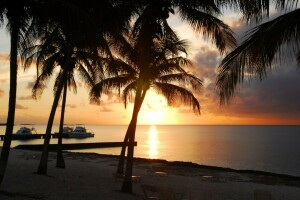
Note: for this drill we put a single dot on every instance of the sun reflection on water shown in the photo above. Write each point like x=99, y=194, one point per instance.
x=152, y=142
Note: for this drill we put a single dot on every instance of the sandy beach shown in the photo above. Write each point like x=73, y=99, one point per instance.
x=91, y=176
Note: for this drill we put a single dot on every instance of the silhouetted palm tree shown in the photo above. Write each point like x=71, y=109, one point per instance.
x=136, y=72
x=152, y=20
x=70, y=50
x=92, y=18
x=49, y=54
x=17, y=15
x=265, y=47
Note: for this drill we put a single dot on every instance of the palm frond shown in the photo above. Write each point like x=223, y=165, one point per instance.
x=117, y=66
x=265, y=47
x=41, y=81
x=128, y=92
x=72, y=83
x=109, y=84
x=208, y=6
x=170, y=65
x=173, y=93
x=171, y=47
x=185, y=78
x=85, y=76
x=168, y=32
x=38, y=89
x=210, y=26
x=257, y=9
x=121, y=44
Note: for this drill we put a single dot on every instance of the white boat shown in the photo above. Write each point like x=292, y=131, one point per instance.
x=25, y=131
x=68, y=129
x=79, y=132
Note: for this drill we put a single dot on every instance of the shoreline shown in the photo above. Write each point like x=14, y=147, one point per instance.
x=91, y=176
x=195, y=165
x=268, y=178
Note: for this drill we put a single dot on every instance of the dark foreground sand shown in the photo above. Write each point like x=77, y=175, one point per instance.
x=90, y=176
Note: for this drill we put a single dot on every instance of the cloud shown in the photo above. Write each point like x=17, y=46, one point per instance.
x=105, y=109
x=278, y=95
x=71, y=106
x=105, y=104
x=20, y=107
x=3, y=80
x=29, y=97
x=1, y=92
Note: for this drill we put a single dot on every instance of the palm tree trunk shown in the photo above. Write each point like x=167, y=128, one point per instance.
x=60, y=163
x=139, y=98
x=127, y=183
x=42, y=168
x=12, y=99
x=120, y=169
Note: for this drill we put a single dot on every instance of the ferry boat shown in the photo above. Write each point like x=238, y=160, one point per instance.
x=26, y=133
x=78, y=132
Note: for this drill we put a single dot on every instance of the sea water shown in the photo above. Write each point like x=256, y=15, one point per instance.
x=265, y=148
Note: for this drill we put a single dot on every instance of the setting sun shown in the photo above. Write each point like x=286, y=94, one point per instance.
x=153, y=117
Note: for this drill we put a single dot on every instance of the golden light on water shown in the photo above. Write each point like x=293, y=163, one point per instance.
x=152, y=142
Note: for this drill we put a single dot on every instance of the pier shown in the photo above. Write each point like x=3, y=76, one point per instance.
x=26, y=137
x=73, y=146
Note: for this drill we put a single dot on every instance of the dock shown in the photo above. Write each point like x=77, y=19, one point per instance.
x=73, y=146
x=26, y=137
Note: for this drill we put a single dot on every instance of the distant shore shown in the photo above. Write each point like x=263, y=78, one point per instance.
x=90, y=176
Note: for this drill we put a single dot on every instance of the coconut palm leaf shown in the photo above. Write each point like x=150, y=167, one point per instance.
x=186, y=78
x=170, y=66
x=206, y=6
x=128, y=92
x=173, y=93
x=171, y=47
x=117, y=66
x=210, y=26
x=266, y=46
x=257, y=9
x=86, y=75
x=108, y=84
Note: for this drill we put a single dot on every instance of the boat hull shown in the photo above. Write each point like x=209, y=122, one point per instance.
x=25, y=136
x=74, y=135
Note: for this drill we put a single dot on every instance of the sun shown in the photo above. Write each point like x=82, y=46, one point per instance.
x=152, y=117
x=155, y=110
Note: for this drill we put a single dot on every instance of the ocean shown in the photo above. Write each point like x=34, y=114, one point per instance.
x=265, y=148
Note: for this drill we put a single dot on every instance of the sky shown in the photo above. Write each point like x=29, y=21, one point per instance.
x=272, y=101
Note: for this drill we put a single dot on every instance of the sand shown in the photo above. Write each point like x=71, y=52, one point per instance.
x=90, y=176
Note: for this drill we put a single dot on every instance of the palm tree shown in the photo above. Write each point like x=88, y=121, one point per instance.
x=264, y=48
x=17, y=14
x=136, y=72
x=92, y=18
x=49, y=54
x=152, y=20
x=57, y=47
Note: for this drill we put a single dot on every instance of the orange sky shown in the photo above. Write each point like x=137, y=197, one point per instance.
x=272, y=101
